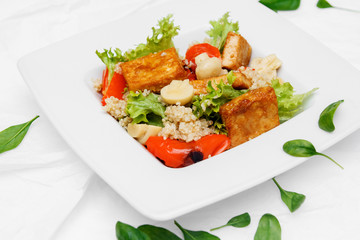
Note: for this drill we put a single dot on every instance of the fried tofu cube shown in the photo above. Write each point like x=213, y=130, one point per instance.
x=241, y=82
x=153, y=71
x=236, y=53
x=250, y=115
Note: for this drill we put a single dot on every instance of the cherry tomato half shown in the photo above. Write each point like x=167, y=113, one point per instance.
x=198, y=49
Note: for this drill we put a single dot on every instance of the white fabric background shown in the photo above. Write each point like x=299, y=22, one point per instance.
x=47, y=192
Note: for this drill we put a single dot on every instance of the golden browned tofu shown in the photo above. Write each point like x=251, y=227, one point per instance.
x=153, y=71
x=241, y=82
x=236, y=53
x=250, y=115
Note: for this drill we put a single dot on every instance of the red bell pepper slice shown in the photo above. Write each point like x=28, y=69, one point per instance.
x=114, y=88
x=175, y=153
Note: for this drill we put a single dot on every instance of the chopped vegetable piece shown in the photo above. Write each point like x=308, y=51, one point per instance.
x=198, y=49
x=114, y=88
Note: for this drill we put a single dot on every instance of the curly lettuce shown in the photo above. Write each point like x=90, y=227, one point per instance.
x=208, y=106
x=288, y=103
x=145, y=109
x=220, y=29
x=161, y=39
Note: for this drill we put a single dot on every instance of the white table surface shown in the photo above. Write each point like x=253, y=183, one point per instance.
x=47, y=192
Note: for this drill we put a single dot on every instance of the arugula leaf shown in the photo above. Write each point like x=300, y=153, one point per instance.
x=268, y=229
x=12, y=136
x=281, y=5
x=145, y=109
x=160, y=40
x=288, y=103
x=196, y=235
x=239, y=221
x=158, y=233
x=292, y=200
x=303, y=148
x=127, y=232
x=220, y=29
x=327, y=115
x=208, y=106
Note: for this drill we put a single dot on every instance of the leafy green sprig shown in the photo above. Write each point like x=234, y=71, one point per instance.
x=292, y=200
x=326, y=119
x=239, y=221
x=281, y=5
x=269, y=228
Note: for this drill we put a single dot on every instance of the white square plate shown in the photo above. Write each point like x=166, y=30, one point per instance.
x=60, y=77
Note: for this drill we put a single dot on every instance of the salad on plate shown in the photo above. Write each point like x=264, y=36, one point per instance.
x=185, y=109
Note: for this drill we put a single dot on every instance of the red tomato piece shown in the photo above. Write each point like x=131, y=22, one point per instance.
x=198, y=49
x=172, y=152
x=176, y=153
x=212, y=145
x=115, y=88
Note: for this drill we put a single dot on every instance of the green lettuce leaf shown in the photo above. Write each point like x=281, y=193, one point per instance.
x=145, y=109
x=220, y=29
x=110, y=59
x=208, y=106
x=288, y=103
x=160, y=40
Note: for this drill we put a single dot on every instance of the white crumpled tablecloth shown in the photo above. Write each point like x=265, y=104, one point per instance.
x=47, y=192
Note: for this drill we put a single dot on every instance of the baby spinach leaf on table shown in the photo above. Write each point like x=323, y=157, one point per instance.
x=268, y=229
x=158, y=233
x=239, y=221
x=292, y=200
x=196, y=235
x=126, y=232
x=326, y=4
x=326, y=117
x=281, y=5
x=12, y=136
x=303, y=148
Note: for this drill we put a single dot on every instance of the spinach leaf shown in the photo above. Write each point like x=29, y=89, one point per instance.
x=326, y=4
x=240, y=221
x=281, y=5
x=196, y=235
x=158, y=233
x=326, y=117
x=12, y=136
x=303, y=148
x=127, y=232
x=323, y=4
x=268, y=229
x=292, y=200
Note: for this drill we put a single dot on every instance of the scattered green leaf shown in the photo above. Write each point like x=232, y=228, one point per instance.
x=196, y=235
x=281, y=5
x=326, y=117
x=326, y=4
x=240, y=221
x=12, y=136
x=288, y=103
x=145, y=109
x=323, y=4
x=220, y=29
x=303, y=148
x=127, y=232
x=158, y=233
x=268, y=229
x=292, y=200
